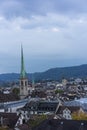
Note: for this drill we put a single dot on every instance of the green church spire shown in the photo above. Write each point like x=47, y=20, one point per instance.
x=23, y=72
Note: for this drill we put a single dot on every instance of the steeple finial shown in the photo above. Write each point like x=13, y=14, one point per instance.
x=23, y=73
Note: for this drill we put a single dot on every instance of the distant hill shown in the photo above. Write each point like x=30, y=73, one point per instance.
x=54, y=74
x=67, y=72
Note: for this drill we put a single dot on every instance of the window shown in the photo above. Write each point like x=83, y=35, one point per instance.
x=25, y=83
x=21, y=83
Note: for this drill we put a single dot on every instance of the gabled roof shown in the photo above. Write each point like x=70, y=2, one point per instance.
x=71, y=108
x=28, y=106
x=40, y=106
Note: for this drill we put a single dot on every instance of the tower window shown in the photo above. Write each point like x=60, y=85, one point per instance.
x=25, y=83
x=21, y=83
x=22, y=87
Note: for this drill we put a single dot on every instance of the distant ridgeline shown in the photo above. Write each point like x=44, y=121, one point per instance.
x=51, y=74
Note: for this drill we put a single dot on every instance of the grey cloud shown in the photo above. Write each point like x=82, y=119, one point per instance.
x=70, y=42
x=27, y=8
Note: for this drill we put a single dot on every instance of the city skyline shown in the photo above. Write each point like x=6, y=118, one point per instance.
x=53, y=34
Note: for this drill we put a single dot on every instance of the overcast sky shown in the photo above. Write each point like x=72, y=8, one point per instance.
x=53, y=34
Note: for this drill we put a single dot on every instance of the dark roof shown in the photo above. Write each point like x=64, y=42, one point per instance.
x=40, y=106
x=61, y=125
x=71, y=108
x=8, y=97
x=32, y=103
x=9, y=119
x=28, y=106
x=48, y=104
x=23, y=127
x=38, y=93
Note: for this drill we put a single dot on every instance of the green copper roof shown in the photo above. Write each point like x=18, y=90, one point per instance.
x=23, y=72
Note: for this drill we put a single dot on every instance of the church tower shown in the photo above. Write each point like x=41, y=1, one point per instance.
x=23, y=79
